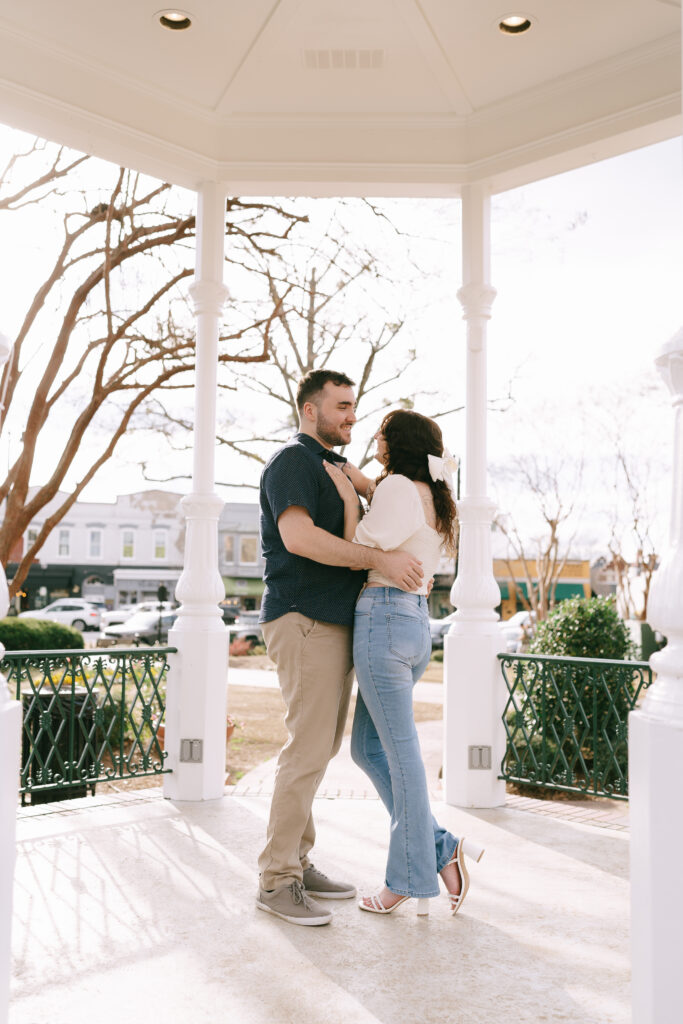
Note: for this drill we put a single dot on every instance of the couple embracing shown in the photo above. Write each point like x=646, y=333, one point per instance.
x=321, y=618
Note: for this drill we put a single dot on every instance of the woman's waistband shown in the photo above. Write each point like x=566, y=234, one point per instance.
x=378, y=592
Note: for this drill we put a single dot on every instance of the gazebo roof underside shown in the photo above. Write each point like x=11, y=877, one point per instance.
x=419, y=98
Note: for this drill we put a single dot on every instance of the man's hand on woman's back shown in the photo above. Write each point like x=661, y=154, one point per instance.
x=403, y=569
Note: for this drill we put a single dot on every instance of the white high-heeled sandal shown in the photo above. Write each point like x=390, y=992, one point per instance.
x=377, y=907
x=465, y=848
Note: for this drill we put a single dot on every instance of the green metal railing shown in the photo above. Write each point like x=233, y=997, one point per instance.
x=88, y=717
x=566, y=721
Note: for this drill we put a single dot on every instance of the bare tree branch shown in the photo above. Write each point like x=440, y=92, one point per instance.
x=116, y=342
x=540, y=559
x=33, y=188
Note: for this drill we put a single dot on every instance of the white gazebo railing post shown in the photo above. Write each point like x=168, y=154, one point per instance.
x=656, y=766
x=474, y=739
x=10, y=748
x=197, y=684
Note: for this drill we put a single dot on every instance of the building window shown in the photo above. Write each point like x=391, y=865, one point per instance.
x=228, y=547
x=95, y=544
x=31, y=536
x=160, y=544
x=128, y=544
x=64, y=544
x=248, y=550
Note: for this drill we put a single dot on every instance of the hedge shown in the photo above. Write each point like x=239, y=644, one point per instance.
x=584, y=628
x=38, y=635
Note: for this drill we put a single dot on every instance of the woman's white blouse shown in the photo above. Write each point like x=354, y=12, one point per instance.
x=396, y=522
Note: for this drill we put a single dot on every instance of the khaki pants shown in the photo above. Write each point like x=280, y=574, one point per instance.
x=315, y=668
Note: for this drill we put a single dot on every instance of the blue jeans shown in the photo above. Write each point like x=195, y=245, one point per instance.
x=391, y=649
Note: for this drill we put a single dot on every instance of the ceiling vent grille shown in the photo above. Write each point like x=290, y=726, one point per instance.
x=344, y=60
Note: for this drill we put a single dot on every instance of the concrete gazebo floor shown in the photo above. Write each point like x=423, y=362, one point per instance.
x=133, y=907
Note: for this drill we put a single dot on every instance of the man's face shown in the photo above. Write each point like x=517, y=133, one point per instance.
x=334, y=414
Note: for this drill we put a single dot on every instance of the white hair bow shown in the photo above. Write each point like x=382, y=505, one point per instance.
x=443, y=468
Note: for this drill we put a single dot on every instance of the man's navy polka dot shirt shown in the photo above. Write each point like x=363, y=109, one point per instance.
x=295, y=475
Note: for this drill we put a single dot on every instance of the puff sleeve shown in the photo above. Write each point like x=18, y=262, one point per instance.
x=395, y=515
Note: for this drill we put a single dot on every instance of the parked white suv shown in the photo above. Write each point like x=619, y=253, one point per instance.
x=516, y=630
x=70, y=611
x=125, y=611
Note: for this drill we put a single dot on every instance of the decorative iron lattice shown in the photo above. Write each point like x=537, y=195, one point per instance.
x=566, y=721
x=88, y=717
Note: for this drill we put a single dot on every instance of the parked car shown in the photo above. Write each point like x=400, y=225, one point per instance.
x=518, y=628
x=229, y=613
x=438, y=628
x=143, y=627
x=117, y=615
x=70, y=611
x=124, y=611
x=246, y=627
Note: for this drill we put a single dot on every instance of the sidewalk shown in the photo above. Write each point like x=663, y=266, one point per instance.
x=136, y=907
x=345, y=780
x=427, y=693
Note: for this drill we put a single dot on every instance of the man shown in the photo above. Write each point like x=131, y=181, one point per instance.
x=312, y=583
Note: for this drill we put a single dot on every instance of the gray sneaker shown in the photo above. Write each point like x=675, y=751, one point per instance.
x=322, y=887
x=291, y=903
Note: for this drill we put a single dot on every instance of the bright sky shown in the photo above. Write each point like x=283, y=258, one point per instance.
x=593, y=305
x=588, y=268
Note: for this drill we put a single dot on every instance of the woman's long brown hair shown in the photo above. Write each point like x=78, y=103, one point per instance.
x=410, y=438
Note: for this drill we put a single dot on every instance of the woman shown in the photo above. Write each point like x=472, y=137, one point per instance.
x=413, y=510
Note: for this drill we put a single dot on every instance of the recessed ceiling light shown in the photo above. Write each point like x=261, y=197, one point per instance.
x=174, y=19
x=514, y=24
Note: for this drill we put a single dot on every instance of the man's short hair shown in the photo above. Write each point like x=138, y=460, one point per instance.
x=314, y=381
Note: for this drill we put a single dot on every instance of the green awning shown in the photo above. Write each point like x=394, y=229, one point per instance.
x=565, y=590
x=562, y=591
x=243, y=587
x=506, y=589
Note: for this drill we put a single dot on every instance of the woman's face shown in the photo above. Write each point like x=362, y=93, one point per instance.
x=381, y=452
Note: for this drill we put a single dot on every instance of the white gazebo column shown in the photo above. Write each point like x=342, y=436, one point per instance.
x=474, y=740
x=656, y=767
x=197, y=685
x=10, y=748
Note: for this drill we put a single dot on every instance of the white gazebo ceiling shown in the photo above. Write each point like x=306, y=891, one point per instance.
x=322, y=96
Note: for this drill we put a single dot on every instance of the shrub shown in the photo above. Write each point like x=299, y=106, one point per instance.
x=585, y=708
x=584, y=628
x=437, y=655
x=38, y=635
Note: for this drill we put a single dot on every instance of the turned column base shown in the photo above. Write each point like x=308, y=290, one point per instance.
x=197, y=705
x=474, y=699
x=197, y=687
x=474, y=689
